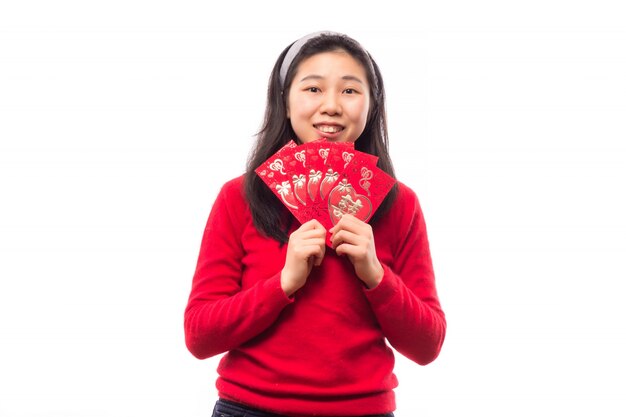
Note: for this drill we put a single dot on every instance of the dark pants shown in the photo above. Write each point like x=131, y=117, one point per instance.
x=225, y=408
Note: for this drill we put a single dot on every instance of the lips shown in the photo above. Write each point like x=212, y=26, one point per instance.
x=324, y=128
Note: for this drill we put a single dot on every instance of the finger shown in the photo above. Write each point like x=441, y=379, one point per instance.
x=317, y=241
x=303, y=248
x=310, y=234
x=317, y=224
x=314, y=253
x=344, y=237
x=352, y=251
x=349, y=222
x=320, y=257
x=312, y=224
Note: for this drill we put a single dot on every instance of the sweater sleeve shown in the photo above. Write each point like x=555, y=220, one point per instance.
x=405, y=302
x=220, y=315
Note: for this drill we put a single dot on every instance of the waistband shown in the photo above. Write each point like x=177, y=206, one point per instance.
x=225, y=408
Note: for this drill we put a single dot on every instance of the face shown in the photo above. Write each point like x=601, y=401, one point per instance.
x=329, y=97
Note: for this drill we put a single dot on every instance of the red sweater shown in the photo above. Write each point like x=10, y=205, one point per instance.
x=322, y=352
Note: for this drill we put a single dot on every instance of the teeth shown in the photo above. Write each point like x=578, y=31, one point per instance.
x=330, y=129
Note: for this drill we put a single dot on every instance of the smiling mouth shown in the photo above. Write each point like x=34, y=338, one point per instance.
x=328, y=129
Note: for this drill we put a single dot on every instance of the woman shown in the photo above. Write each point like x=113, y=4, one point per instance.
x=305, y=325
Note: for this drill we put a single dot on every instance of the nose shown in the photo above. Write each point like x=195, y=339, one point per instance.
x=330, y=105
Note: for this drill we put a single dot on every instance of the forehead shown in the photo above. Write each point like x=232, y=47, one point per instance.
x=329, y=64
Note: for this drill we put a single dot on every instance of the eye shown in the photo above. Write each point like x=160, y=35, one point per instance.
x=313, y=89
x=349, y=91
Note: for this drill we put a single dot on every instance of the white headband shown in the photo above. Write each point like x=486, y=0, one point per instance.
x=293, y=51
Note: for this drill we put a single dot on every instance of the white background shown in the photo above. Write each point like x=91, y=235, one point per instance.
x=120, y=120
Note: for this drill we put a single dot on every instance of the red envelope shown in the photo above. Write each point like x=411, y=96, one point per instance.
x=296, y=170
x=277, y=173
x=361, y=189
x=316, y=155
x=324, y=180
x=339, y=155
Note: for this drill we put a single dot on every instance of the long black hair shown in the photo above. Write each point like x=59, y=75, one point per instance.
x=268, y=213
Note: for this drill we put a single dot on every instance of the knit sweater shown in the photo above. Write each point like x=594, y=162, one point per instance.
x=324, y=350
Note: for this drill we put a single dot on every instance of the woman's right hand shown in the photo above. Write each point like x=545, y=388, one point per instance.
x=305, y=249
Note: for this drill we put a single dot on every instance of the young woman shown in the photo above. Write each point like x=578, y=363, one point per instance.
x=305, y=326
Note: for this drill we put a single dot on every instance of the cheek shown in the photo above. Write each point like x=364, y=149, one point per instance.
x=359, y=112
x=292, y=105
x=302, y=107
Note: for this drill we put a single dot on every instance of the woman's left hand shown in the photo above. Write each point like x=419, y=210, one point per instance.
x=354, y=238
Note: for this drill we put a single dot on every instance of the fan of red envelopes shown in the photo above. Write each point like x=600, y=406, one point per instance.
x=324, y=180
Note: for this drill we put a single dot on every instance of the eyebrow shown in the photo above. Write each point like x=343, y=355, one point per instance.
x=345, y=77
